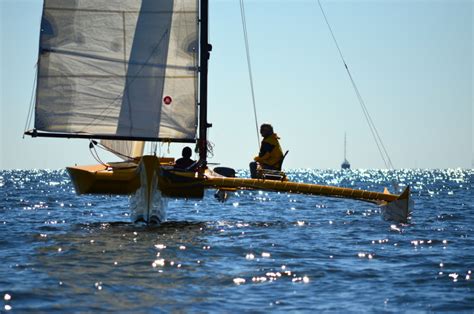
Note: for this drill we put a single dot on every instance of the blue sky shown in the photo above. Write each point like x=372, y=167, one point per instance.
x=412, y=61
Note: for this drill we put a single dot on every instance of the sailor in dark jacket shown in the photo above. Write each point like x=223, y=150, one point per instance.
x=185, y=162
x=270, y=155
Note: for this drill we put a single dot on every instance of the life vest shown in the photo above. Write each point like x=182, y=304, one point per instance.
x=273, y=157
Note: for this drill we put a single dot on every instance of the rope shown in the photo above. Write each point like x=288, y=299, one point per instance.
x=377, y=138
x=249, y=65
x=210, y=149
x=94, y=153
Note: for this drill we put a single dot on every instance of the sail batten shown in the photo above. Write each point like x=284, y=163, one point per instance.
x=36, y=133
x=120, y=11
x=124, y=69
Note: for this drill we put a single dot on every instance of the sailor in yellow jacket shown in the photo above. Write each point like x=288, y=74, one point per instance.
x=270, y=155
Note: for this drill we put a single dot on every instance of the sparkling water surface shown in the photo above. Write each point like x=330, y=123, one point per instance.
x=257, y=252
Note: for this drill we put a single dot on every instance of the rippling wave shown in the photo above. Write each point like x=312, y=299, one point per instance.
x=259, y=251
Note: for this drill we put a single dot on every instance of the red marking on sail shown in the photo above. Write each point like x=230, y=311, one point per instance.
x=167, y=100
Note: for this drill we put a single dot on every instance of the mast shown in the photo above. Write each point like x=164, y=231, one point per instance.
x=345, y=164
x=204, y=48
x=345, y=146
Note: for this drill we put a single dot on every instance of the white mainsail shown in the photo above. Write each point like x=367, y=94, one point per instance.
x=125, y=68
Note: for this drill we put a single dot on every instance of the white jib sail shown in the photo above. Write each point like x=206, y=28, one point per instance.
x=125, y=149
x=123, y=68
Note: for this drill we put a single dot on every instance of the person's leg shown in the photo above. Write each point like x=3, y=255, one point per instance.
x=264, y=166
x=253, y=169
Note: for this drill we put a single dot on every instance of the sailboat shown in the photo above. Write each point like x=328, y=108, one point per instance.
x=345, y=164
x=126, y=72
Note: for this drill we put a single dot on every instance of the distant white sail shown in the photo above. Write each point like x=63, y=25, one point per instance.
x=123, y=68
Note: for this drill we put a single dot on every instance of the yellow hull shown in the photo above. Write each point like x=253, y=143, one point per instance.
x=100, y=179
x=126, y=178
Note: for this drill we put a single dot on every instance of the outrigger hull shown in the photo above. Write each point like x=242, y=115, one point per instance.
x=127, y=178
x=101, y=179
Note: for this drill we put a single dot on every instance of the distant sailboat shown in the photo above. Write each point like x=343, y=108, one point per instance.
x=132, y=71
x=345, y=164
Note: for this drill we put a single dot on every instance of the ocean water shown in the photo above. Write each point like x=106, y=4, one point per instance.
x=258, y=252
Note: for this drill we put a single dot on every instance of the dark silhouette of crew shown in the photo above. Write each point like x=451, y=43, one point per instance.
x=185, y=161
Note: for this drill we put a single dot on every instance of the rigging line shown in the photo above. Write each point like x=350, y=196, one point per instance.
x=375, y=133
x=30, y=109
x=389, y=163
x=377, y=138
x=95, y=154
x=373, y=129
x=249, y=65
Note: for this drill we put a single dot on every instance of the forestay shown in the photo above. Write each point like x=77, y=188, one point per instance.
x=125, y=68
